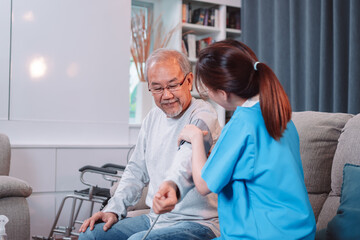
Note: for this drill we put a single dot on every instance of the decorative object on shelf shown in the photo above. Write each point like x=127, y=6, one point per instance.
x=146, y=34
x=144, y=101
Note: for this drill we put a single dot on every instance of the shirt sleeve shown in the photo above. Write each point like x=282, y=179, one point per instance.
x=181, y=170
x=134, y=179
x=231, y=159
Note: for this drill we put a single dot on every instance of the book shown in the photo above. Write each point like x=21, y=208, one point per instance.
x=198, y=48
x=184, y=12
x=238, y=20
x=198, y=16
x=206, y=17
x=233, y=19
x=201, y=16
x=189, y=20
x=211, y=17
x=195, y=16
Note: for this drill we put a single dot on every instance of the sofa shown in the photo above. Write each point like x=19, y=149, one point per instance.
x=327, y=142
x=13, y=193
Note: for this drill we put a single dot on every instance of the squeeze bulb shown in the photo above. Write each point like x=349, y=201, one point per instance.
x=3, y=221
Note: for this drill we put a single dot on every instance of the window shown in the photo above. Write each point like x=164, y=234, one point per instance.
x=136, y=8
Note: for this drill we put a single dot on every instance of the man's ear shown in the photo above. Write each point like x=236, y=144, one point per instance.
x=190, y=79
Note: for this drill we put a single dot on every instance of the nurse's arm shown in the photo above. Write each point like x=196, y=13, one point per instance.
x=198, y=162
x=195, y=136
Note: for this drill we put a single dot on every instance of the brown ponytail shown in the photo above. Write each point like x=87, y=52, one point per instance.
x=229, y=65
x=274, y=103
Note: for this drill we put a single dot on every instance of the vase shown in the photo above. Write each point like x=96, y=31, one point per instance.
x=144, y=101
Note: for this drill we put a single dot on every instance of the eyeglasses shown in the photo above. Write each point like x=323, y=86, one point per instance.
x=173, y=87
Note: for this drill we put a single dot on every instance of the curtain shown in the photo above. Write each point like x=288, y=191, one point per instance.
x=313, y=46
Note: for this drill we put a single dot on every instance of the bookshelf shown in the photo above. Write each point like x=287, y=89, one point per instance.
x=221, y=20
x=171, y=13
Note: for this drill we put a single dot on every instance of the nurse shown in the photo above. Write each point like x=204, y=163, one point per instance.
x=255, y=166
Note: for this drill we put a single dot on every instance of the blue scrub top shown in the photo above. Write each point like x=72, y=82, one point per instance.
x=259, y=181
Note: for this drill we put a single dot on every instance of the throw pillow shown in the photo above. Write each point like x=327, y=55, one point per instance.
x=345, y=224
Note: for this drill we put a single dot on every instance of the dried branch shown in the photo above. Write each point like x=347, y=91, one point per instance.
x=142, y=38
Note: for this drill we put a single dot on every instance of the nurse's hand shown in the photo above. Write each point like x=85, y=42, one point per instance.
x=191, y=133
x=166, y=198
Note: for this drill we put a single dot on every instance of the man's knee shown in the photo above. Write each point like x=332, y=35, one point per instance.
x=96, y=233
x=87, y=235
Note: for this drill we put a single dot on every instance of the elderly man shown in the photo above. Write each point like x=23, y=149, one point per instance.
x=158, y=162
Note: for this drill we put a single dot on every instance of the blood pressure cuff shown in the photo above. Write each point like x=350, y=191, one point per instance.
x=208, y=140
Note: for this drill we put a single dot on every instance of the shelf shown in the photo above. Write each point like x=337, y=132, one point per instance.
x=199, y=29
x=231, y=3
x=233, y=31
x=230, y=32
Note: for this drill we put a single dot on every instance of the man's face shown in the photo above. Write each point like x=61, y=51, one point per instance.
x=164, y=74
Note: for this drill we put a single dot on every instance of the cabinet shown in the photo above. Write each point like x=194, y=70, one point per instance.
x=204, y=22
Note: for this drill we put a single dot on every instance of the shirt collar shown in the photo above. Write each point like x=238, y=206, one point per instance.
x=251, y=101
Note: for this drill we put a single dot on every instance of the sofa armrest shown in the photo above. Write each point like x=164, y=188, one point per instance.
x=14, y=187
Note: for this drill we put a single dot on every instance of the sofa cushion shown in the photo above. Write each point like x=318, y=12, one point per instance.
x=328, y=211
x=348, y=151
x=319, y=133
x=317, y=201
x=345, y=225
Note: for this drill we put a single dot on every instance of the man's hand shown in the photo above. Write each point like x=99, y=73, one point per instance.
x=166, y=198
x=108, y=218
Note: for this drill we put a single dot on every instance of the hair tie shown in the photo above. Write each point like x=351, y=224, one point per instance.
x=255, y=64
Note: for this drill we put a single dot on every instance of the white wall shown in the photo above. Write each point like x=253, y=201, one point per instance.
x=5, y=9
x=69, y=71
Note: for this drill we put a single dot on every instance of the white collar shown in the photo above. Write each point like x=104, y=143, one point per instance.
x=251, y=101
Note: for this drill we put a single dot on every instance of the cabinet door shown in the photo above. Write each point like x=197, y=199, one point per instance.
x=5, y=13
